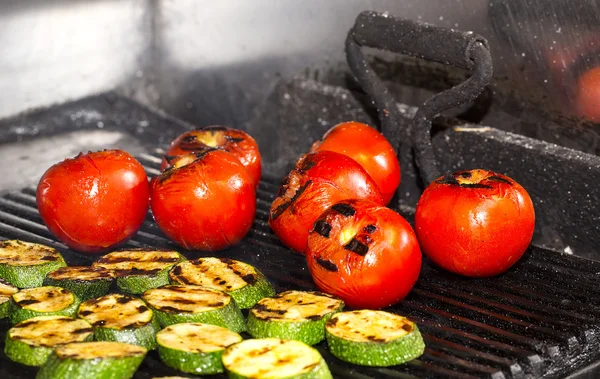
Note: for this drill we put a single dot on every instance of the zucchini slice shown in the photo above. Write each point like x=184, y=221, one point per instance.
x=175, y=304
x=102, y=359
x=293, y=315
x=25, y=264
x=6, y=291
x=242, y=281
x=42, y=301
x=30, y=342
x=273, y=358
x=84, y=281
x=138, y=270
x=121, y=318
x=373, y=338
x=195, y=348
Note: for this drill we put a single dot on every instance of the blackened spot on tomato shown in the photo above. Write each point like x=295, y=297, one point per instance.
x=357, y=247
x=249, y=278
x=282, y=208
x=48, y=258
x=286, y=180
x=327, y=265
x=234, y=139
x=202, y=154
x=370, y=228
x=368, y=240
x=189, y=138
x=27, y=302
x=306, y=165
x=407, y=327
x=215, y=128
x=497, y=178
x=322, y=227
x=448, y=179
x=475, y=185
x=344, y=209
x=464, y=174
x=124, y=299
x=85, y=313
x=169, y=158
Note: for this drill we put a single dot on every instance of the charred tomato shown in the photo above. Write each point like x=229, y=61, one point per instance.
x=204, y=201
x=370, y=149
x=234, y=141
x=95, y=201
x=364, y=253
x=475, y=223
x=318, y=181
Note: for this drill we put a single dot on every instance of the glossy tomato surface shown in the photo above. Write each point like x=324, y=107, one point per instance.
x=318, y=181
x=237, y=142
x=475, y=223
x=368, y=147
x=205, y=201
x=95, y=201
x=364, y=253
x=587, y=99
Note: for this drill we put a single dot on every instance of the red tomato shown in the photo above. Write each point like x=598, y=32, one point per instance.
x=95, y=201
x=363, y=253
x=587, y=99
x=368, y=147
x=237, y=142
x=474, y=223
x=318, y=181
x=205, y=201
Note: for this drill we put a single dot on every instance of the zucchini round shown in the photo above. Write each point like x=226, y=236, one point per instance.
x=30, y=342
x=138, y=270
x=195, y=348
x=42, y=301
x=25, y=264
x=121, y=318
x=242, y=281
x=6, y=291
x=175, y=304
x=103, y=360
x=373, y=338
x=84, y=281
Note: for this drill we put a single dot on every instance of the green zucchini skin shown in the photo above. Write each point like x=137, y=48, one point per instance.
x=71, y=366
x=25, y=264
x=6, y=291
x=18, y=310
x=144, y=336
x=94, y=282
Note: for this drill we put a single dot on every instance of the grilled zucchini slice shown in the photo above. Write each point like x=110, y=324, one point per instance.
x=30, y=342
x=175, y=304
x=121, y=318
x=195, y=348
x=243, y=282
x=102, y=360
x=6, y=291
x=138, y=270
x=274, y=358
x=293, y=315
x=25, y=264
x=373, y=338
x=42, y=301
x=84, y=281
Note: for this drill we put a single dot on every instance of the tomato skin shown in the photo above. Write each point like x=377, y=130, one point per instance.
x=318, y=181
x=475, y=231
x=95, y=201
x=370, y=149
x=587, y=99
x=374, y=278
x=234, y=141
x=208, y=204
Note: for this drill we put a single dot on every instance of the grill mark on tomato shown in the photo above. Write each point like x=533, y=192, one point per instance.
x=344, y=209
x=497, y=178
x=327, y=265
x=475, y=185
x=465, y=174
x=283, y=207
x=25, y=302
x=370, y=228
x=357, y=247
x=323, y=228
x=234, y=139
x=448, y=179
x=306, y=165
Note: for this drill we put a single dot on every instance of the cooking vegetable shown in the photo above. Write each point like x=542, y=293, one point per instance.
x=25, y=264
x=204, y=201
x=121, y=318
x=195, y=348
x=368, y=147
x=42, y=301
x=363, y=253
x=30, y=342
x=475, y=223
x=6, y=290
x=588, y=94
x=95, y=201
x=175, y=304
x=272, y=358
x=234, y=141
x=293, y=315
x=138, y=270
x=373, y=338
x=84, y=281
x=318, y=181
x=102, y=360
x=243, y=282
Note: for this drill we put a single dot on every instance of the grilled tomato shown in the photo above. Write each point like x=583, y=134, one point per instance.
x=237, y=142
x=368, y=147
x=475, y=223
x=95, y=201
x=204, y=201
x=318, y=181
x=588, y=95
x=364, y=253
